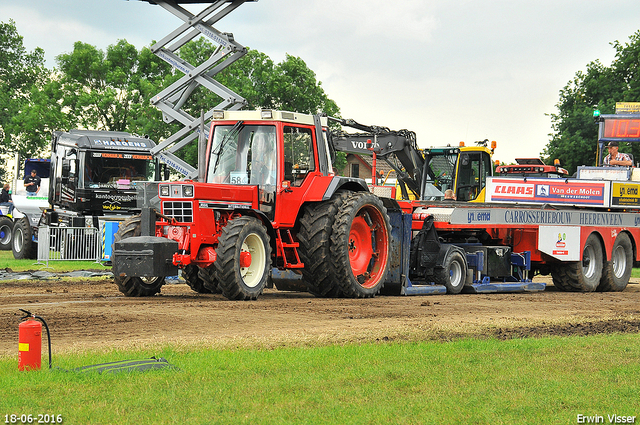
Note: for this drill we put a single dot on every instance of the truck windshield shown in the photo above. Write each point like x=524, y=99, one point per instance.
x=107, y=169
x=243, y=154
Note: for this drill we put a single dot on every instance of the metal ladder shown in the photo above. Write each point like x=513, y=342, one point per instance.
x=171, y=99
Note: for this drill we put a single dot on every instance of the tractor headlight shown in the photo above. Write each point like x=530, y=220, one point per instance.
x=164, y=190
x=187, y=191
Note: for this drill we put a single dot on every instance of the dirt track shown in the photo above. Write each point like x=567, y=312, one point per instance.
x=93, y=314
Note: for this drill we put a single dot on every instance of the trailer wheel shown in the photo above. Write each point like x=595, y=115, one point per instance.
x=6, y=230
x=316, y=227
x=133, y=286
x=558, y=282
x=582, y=276
x=191, y=274
x=360, y=245
x=244, y=259
x=23, y=246
x=617, y=272
x=454, y=273
x=208, y=277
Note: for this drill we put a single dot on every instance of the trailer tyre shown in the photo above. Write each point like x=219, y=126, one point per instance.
x=23, y=246
x=581, y=276
x=134, y=286
x=360, y=245
x=454, y=273
x=617, y=272
x=243, y=260
x=191, y=274
x=316, y=227
x=6, y=230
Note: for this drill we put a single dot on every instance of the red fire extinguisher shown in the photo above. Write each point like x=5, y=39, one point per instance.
x=29, y=345
x=30, y=342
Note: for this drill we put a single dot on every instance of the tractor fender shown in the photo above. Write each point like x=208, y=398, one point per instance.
x=265, y=220
x=344, y=183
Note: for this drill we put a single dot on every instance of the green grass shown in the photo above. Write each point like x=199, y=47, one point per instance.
x=7, y=260
x=529, y=381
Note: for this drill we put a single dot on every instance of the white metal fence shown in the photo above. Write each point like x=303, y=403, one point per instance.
x=69, y=243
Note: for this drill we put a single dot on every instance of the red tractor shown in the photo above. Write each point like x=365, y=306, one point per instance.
x=266, y=197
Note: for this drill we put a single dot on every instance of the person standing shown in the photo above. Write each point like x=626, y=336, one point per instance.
x=32, y=183
x=5, y=198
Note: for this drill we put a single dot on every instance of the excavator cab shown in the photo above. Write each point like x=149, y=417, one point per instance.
x=473, y=167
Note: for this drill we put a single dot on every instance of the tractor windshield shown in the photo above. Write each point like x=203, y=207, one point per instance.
x=243, y=154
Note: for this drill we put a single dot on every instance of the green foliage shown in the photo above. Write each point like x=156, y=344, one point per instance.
x=575, y=134
x=289, y=85
x=524, y=381
x=111, y=90
x=22, y=73
x=340, y=161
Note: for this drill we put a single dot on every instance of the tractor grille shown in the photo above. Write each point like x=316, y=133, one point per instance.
x=181, y=211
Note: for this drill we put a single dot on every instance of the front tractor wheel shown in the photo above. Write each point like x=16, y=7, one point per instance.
x=360, y=246
x=22, y=242
x=243, y=260
x=133, y=286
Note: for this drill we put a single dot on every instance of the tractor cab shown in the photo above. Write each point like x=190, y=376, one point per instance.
x=273, y=150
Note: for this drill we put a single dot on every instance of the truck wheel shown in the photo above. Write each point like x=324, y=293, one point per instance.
x=454, y=273
x=191, y=274
x=316, y=226
x=360, y=245
x=23, y=246
x=209, y=280
x=582, y=276
x=6, y=229
x=244, y=259
x=617, y=272
x=134, y=286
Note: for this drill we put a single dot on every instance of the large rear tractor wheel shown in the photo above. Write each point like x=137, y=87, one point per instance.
x=617, y=272
x=243, y=260
x=134, y=286
x=191, y=275
x=6, y=230
x=360, y=245
x=209, y=279
x=454, y=273
x=581, y=276
x=23, y=246
x=316, y=226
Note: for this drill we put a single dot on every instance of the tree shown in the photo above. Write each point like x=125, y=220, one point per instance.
x=111, y=90
x=289, y=85
x=575, y=134
x=21, y=72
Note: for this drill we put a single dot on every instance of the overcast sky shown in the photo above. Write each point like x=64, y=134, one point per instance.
x=449, y=70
